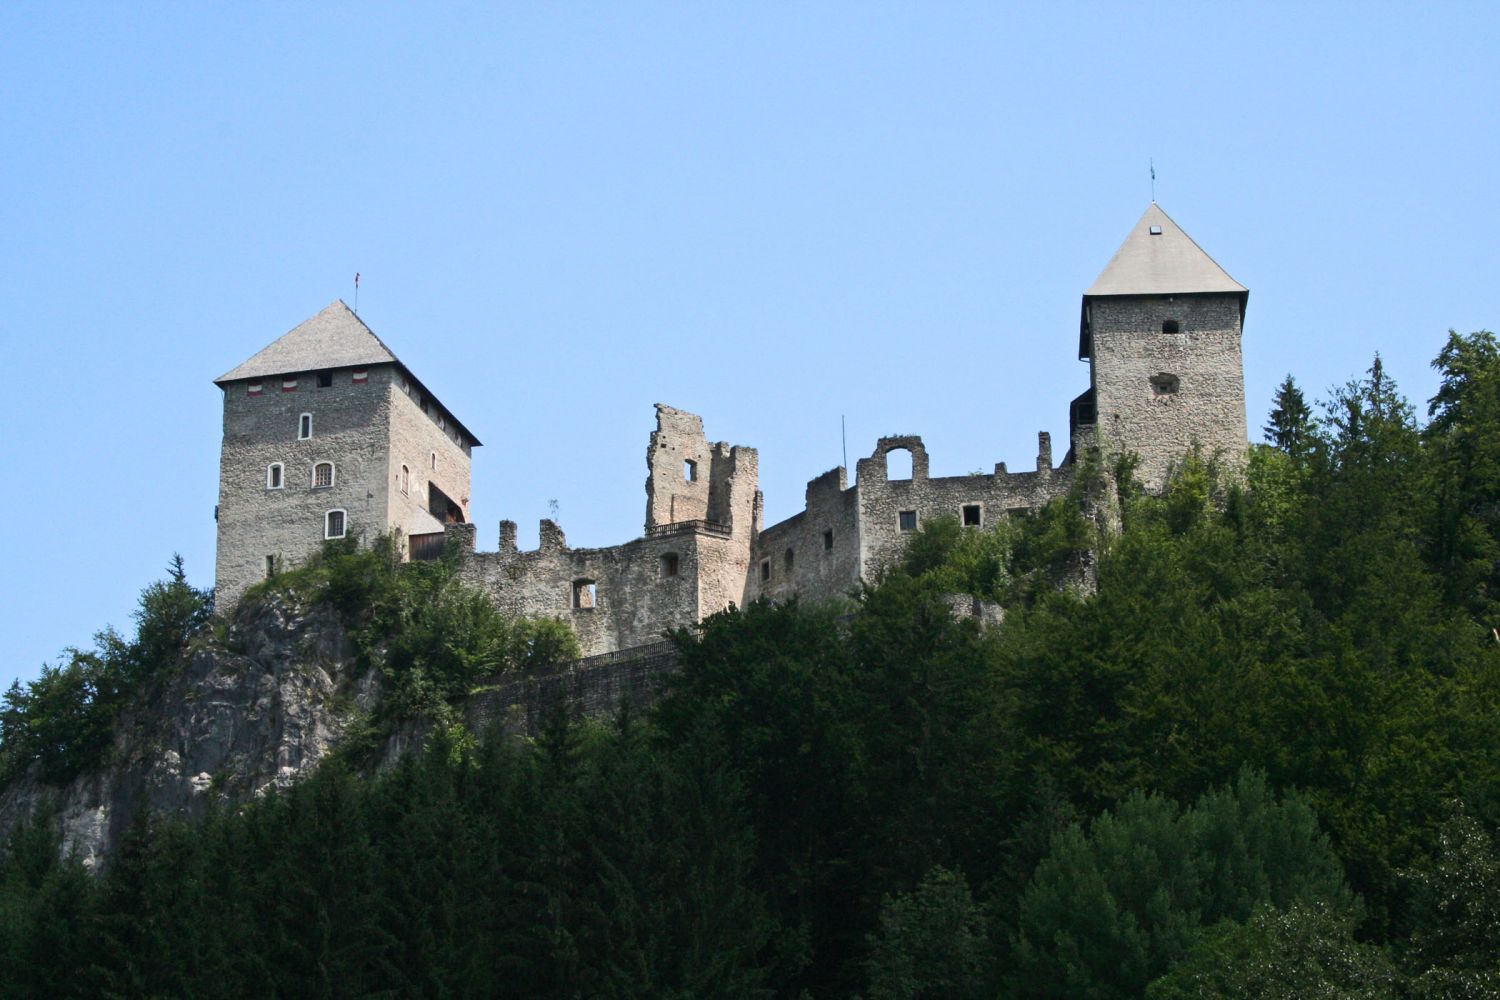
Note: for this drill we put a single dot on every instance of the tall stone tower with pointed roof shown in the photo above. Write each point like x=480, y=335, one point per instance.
x=328, y=435
x=1161, y=331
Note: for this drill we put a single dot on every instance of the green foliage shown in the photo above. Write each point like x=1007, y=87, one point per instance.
x=1291, y=427
x=931, y=943
x=1110, y=909
x=63, y=721
x=1455, y=942
x=1306, y=950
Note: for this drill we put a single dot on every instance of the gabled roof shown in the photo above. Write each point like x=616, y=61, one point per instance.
x=1164, y=262
x=334, y=338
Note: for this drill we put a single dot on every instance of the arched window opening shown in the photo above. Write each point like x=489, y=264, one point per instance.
x=405, y=481
x=322, y=475
x=334, y=525
x=585, y=595
x=898, y=463
x=274, y=476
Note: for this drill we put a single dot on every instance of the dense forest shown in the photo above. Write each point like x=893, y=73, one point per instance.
x=1239, y=739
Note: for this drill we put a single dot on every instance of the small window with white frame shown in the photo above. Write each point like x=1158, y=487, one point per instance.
x=275, y=476
x=335, y=524
x=322, y=475
x=304, y=427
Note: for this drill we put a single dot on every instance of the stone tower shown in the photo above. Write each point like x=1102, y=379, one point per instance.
x=1161, y=332
x=328, y=435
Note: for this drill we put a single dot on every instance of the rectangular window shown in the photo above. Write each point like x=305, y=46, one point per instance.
x=322, y=475
x=669, y=564
x=273, y=476
x=333, y=524
x=828, y=541
x=304, y=427
x=971, y=515
x=765, y=570
x=270, y=567
x=325, y=380
x=908, y=520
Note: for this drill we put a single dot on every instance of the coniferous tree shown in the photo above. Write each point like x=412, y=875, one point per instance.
x=1291, y=426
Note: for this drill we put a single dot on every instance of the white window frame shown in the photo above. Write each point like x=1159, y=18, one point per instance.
x=304, y=420
x=279, y=480
x=343, y=522
x=333, y=473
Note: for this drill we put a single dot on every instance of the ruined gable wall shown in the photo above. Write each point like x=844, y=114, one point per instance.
x=881, y=500
x=416, y=436
x=1130, y=349
x=670, y=496
x=350, y=428
x=637, y=599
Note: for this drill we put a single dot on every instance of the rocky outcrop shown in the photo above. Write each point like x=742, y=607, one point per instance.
x=251, y=713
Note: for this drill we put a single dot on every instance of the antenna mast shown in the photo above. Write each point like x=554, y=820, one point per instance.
x=356, y=292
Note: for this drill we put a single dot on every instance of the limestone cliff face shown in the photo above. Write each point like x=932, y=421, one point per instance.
x=243, y=716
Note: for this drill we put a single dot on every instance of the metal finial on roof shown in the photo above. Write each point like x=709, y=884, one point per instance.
x=356, y=288
x=1153, y=180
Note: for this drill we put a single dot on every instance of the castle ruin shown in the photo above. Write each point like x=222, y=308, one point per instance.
x=328, y=435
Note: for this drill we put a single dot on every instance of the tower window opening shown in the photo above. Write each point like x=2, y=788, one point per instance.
x=405, y=481
x=765, y=570
x=1170, y=326
x=669, y=564
x=274, y=480
x=789, y=559
x=270, y=567
x=585, y=595
x=333, y=524
x=325, y=380
x=898, y=464
x=690, y=471
x=1164, y=384
x=908, y=520
x=432, y=460
x=322, y=475
x=828, y=541
x=304, y=427
x=972, y=513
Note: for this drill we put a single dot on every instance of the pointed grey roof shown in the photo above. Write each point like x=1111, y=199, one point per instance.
x=334, y=338
x=1164, y=262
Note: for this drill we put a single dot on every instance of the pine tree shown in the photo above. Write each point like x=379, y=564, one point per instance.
x=1291, y=427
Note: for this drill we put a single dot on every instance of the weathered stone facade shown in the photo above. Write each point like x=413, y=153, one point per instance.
x=1160, y=328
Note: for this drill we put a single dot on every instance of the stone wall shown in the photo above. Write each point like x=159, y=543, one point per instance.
x=813, y=555
x=1160, y=393
x=432, y=449
x=640, y=589
x=594, y=687
x=350, y=428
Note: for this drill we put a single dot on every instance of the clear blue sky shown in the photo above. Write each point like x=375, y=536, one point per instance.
x=770, y=214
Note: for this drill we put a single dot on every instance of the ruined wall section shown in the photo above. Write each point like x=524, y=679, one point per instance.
x=639, y=590
x=724, y=543
x=1159, y=393
x=813, y=555
x=350, y=428
x=891, y=509
x=679, y=463
x=426, y=446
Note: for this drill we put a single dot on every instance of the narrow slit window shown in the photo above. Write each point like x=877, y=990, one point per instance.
x=908, y=520
x=405, y=481
x=585, y=595
x=304, y=427
x=274, y=480
x=322, y=475
x=828, y=541
x=432, y=460
x=972, y=515
x=270, y=567
x=333, y=524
